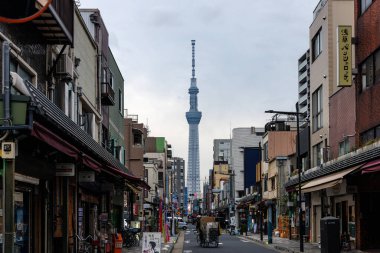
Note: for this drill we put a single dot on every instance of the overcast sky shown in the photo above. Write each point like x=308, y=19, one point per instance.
x=246, y=62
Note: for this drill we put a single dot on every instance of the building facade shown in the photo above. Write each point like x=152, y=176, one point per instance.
x=222, y=150
x=179, y=183
x=67, y=180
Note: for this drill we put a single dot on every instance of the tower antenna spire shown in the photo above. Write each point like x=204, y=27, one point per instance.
x=193, y=47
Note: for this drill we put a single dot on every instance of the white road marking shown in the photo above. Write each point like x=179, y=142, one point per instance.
x=243, y=240
x=187, y=241
x=187, y=251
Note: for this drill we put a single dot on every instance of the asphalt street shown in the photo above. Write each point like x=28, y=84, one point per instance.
x=227, y=244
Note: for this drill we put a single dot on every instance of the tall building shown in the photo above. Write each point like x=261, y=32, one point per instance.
x=193, y=117
x=242, y=138
x=304, y=86
x=304, y=108
x=323, y=72
x=179, y=182
x=222, y=150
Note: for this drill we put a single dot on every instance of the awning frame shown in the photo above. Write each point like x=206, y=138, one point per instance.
x=327, y=181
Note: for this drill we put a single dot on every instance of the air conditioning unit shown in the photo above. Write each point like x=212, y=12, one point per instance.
x=65, y=66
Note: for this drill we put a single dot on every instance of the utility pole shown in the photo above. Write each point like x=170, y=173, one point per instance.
x=8, y=160
x=296, y=113
x=299, y=179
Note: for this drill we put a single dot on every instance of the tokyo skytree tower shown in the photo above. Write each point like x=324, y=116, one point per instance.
x=193, y=117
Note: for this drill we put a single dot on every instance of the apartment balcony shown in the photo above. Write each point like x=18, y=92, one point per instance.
x=303, y=100
x=302, y=88
x=56, y=24
x=108, y=94
x=302, y=77
x=302, y=66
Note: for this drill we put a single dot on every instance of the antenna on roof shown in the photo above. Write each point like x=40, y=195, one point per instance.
x=193, y=46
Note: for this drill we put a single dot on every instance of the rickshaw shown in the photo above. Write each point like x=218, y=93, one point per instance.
x=208, y=232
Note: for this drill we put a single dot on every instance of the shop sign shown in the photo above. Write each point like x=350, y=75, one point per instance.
x=135, y=209
x=151, y=242
x=86, y=176
x=344, y=56
x=289, y=204
x=65, y=170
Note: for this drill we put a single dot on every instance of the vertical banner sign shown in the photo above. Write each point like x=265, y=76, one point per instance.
x=160, y=217
x=344, y=34
x=151, y=242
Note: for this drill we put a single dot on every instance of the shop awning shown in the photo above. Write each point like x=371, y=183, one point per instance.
x=327, y=181
x=133, y=188
x=370, y=167
x=47, y=136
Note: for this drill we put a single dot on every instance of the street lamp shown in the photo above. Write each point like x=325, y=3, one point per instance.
x=296, y=113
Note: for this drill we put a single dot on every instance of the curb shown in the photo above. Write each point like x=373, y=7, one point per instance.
x=171, y=247
x=271, y=246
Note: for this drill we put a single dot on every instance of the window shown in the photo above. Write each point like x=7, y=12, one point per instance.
x=344, y=147
x=370, y=135
x=370, y=70
x=317, y=157
x=316, y=43
x=137, y=137
x=266, y=158
x=104, y=75
x=119, y=154
x=120, y=102
x=111, y=80
x=266, y=182
x=364, y=5
x=273, y=183
x=146, y=173
x=317, y=109
x=366, y=70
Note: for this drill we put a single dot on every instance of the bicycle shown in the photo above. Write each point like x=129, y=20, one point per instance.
x=131, y=237
x=84, y=246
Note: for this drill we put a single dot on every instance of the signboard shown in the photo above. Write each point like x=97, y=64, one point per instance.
x=151, y=242
x=86, y=176
x=65, y=170
x=344, y=34
x=135, y=209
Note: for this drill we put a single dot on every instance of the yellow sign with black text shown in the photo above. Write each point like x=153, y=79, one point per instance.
x=344, y=35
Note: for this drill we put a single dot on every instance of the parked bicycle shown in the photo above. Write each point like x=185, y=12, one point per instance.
x=84, y=244
x=131, y=237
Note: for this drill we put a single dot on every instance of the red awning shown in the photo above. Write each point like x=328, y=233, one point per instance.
x=47, y=136
x=91, y=163
x=371, y=167
x=131, y=178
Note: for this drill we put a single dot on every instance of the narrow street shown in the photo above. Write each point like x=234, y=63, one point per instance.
x=227, y=244
x=124, y=122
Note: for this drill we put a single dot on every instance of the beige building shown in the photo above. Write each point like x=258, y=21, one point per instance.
x=219, y=177
x=277, y=165
x=328, y=15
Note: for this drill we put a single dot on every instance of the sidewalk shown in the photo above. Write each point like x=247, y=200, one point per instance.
x=286, y=245
x=165, y=247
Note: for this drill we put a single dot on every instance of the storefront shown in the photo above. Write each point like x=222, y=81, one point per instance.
x=24, y=213
x=367, y=202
